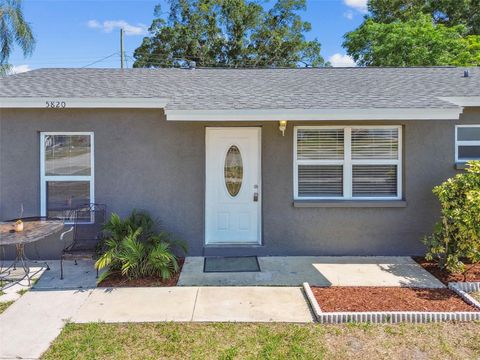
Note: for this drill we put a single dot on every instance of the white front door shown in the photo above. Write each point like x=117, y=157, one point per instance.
x=233, y=186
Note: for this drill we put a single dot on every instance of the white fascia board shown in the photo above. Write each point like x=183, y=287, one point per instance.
x=314, y=114
x=464, y=101
x=81, y=103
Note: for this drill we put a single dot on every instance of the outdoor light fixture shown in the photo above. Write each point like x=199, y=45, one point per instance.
x=282, y=126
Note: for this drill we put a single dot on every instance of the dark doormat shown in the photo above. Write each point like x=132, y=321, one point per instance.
x=224, y=264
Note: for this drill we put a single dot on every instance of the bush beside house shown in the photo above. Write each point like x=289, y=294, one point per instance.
x=135, y=248
x=455, y=241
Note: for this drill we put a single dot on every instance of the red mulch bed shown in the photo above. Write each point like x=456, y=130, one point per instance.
x=444, y=276
x=359, y=299
x=117, y=280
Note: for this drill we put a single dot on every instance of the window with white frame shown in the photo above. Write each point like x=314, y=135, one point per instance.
x=66, y=171
x=467, y=143
x=348, y=162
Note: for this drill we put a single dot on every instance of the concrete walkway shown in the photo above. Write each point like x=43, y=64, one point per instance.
x=28, y=326
x=242, y=304
x=32, y=322
x=317, y=271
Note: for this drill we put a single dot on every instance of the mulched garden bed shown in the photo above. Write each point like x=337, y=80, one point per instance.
x=358, y=299
x=117, y=280
x=446, y=277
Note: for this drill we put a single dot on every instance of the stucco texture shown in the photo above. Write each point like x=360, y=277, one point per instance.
x=142, y=161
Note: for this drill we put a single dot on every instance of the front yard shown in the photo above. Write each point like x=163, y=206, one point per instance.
x=266, y=341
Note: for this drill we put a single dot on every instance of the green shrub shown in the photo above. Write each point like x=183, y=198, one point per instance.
x=133, y=247
x=456, y=236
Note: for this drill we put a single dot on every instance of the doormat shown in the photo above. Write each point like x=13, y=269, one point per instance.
x=223, y=264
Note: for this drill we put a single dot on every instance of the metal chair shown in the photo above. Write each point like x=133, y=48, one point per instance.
x=87, y=223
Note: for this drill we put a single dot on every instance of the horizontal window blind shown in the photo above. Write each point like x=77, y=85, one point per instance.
x=320, y=180
x=468, y=133
x=374, y=180
x=375, y=143
x=321, y=144
x=467, y=143
x=348, y=162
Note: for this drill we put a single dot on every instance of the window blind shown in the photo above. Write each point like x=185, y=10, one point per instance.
x=321, y=144
x=467, y=143
x=374, y=180
x=348, y=162
x=375, y=143
x=320, y=180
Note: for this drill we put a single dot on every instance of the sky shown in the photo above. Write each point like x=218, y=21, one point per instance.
x=85, y=33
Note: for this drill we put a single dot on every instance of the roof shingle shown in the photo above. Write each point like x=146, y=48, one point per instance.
x=225, y=89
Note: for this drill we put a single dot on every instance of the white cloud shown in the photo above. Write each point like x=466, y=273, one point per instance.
x=17, y=69
x=360, y=5
x=339, y=60
x=348, y=14
x=109, y=25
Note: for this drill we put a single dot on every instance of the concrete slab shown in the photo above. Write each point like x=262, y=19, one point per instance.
x=317, y=271
x=13, y=291
x=80, y=276
x=138, y=305
x=252, y=304
x=375, y=271
x=30, y=324
x=275, y=271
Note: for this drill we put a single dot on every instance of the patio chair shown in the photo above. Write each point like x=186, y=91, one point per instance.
x=87, y=223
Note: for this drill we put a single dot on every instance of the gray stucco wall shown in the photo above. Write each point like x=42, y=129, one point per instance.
x=145, y=162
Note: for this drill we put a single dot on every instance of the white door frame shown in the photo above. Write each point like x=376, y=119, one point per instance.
x=260, y=192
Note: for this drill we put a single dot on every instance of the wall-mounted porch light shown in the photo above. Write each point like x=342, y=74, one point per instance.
x=282, y=126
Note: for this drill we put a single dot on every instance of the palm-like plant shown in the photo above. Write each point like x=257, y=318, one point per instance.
x=13, y=30
x=134, y=248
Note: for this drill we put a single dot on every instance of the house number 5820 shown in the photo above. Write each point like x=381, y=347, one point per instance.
x=55, y=104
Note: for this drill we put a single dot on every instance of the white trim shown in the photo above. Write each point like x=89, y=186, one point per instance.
x=464, y=142
x=464, y=101
x=44, y=178
x=348, y=163
x=314, y=114
x=74, y=103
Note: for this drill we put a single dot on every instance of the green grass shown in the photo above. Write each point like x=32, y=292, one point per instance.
x=22, y=291
x=5, y=305
x=476, y=295
x=266, y=341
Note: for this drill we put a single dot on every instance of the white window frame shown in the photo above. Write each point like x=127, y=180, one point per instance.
x=464, y=142
x=44, y=178
x=348, y=163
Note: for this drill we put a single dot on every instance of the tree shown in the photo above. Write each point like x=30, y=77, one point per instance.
x=446, y=12
x=13, y=30
x=415, y=42
x=232, y=33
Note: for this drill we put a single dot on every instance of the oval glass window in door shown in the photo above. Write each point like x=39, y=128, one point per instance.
x=233, y=170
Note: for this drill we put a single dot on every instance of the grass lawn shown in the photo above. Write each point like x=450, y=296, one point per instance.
x=476, y=295
x=266, y=341
x=5, y=305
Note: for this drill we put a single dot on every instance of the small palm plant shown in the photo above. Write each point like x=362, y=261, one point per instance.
x=133, y=248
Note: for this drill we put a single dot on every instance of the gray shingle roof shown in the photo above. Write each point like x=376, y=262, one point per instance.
x=217, y=89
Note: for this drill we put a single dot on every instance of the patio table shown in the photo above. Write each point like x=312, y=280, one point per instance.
x=33, y=231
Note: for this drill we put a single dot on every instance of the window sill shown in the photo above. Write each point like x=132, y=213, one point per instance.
x=350, y=203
